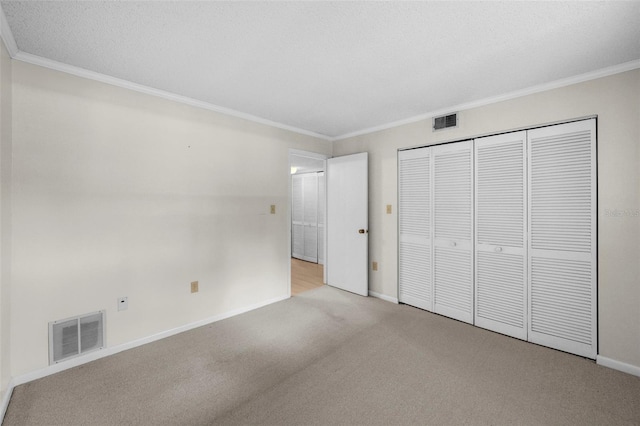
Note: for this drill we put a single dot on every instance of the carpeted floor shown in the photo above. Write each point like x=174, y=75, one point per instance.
x=331, y=357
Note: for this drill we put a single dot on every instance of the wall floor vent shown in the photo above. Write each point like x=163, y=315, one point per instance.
x=76, y=336
x=445, y=121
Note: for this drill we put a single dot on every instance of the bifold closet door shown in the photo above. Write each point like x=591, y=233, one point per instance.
x=311, y=217
x=297, y=216
x=562, y=237
x=322, y=201
x=453, y=230
x=304, y=216
x=415, y=224
x=500, y=214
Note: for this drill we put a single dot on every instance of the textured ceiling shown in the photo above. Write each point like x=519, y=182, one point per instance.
x=332, y=68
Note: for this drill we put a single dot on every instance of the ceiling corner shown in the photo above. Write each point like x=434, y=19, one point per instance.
x=7, y=35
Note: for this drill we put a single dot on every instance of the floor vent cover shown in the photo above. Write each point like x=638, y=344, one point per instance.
x=71, y=337
x=445, y=121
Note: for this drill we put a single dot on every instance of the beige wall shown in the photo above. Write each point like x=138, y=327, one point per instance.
x=616, y=101
x=5, y=216
x=117, y=193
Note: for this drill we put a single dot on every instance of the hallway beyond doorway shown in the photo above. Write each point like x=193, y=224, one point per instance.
x=305, y=276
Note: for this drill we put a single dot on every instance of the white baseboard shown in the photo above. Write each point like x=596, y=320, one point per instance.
x=383, y=297
x=6, y=399
x=56, y=368
x=618, y=365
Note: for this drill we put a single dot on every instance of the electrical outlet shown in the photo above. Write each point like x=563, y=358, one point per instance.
x=194, y=286
x=374, y=266
x=273, y=209
x=388, y=208
x=123, y=303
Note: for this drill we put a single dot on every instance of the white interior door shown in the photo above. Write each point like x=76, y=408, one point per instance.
x=453, y=230
x=347, y=223
x=501, y=231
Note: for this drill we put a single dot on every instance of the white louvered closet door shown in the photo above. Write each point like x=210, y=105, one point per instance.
x=453, y=230
x=500, y=214
x=322, y=198
x=311, y=217
x=297, y=216
x=415, y=224
x=562, y=243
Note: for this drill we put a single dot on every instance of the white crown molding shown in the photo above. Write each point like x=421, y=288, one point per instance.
x=103, y=78
x=15, y=53
x=604, y=72
x=7, y=35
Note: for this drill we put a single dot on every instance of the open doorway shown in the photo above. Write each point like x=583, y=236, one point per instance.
x=307, y=201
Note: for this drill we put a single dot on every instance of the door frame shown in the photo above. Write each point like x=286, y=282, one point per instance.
x=317, y=156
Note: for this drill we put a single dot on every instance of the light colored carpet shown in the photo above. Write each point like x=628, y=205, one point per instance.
x=331, y=357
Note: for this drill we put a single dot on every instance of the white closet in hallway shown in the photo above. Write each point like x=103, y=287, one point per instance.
x=501, y=232
x=307, y=216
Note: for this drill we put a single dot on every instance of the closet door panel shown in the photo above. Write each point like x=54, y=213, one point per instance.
x=322, y=197
x=311, y=217
x=562, y=244
x=415, y=226
x=453, y=230
x=297, y=216
x=500, y=256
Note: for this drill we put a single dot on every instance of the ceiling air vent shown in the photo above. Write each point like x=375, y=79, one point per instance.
x=445, y=121
x=71, y=337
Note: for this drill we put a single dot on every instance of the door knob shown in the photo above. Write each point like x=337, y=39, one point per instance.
x=498, y=249
x=361, y=231
x=453, y=244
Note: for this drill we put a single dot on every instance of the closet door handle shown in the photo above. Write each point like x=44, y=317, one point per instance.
x=498, y=249
x=452, y=244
